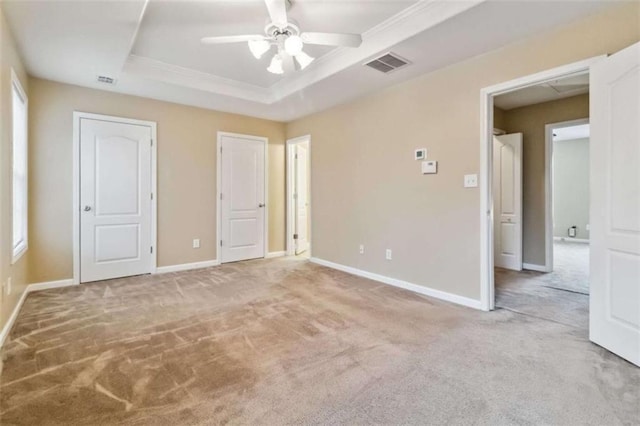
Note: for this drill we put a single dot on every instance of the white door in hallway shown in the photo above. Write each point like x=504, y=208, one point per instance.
x=242, y=200
x=507, y=201
x=302, y=197
x=614, y=310
x=115, y=199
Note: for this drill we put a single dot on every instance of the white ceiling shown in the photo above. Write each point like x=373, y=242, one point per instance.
x=571, y=133
x=545, y=92
x=152, y=47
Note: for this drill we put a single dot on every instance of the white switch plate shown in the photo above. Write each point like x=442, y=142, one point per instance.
x=196, y=243
x=361, y=248
x=420, y=154
x=388, y=254
x=429, y=167
x=470, y=181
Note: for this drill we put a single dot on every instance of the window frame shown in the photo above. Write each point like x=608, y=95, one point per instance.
x=19, y=249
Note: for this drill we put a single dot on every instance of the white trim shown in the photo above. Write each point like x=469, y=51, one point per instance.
x=572, y=240
x=290, y=214
x=548, y=185
x=438, y=294
x=77, y=116
x=486, y=135
x=265, y=141
x=534, y=267
x=4, y=333
x=187, y=266
x=273, y=254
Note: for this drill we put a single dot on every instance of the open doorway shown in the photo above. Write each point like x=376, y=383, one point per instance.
x=299, y=197
x=541, y=200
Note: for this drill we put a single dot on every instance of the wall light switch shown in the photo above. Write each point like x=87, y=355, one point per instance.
x=196, y=243
x=361, y=248
x=420, y=154
x=388, y=254
x=429, y=167
x=470, y=181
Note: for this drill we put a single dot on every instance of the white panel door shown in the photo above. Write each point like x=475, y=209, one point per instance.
x=507, y=201
x=242, y=198
x=115, y=200
x=302, y=197
x=614, y=311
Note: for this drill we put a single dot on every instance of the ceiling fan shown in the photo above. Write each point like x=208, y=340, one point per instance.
x=286, y=35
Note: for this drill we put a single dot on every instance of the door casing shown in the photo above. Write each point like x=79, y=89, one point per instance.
x=291, y=213
x=265, y=141
x=77, y=116
x=487, y=285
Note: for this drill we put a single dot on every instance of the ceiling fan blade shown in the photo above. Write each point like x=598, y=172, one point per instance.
x=287, y=63
x=332, y=39
x=277, y=12
x=231, y=39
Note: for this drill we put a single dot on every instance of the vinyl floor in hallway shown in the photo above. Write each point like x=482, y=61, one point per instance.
x=284, y=341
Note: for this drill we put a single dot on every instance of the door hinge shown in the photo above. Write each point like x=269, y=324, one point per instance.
x=152, y=250
x=152, y=195
x=151, y=142
x=296, y=156
x=295, y=236
x=221, y=195
x=220, y=150
x=220, y=243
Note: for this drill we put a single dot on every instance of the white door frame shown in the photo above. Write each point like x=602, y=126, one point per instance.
x=265, y=142
x=548, y=185
x=77, y=116
x=291, y=214
x=487, y=290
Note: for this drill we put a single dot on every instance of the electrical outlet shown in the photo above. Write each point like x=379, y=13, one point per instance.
x=196, y=243
x=470, y=181
x=388, y=254
x=361, y=248
x=9, y=285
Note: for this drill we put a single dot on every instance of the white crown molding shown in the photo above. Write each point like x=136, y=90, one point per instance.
x=173, y=74
x=413, y=20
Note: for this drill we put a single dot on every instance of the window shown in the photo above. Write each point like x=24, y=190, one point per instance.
x=19, y=128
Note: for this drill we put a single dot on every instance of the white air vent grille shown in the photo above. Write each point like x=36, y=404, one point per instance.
x=106, y=80
x=387, y=63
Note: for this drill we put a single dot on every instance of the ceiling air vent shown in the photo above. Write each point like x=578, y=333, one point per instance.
x=106, y=80
x=387, y=63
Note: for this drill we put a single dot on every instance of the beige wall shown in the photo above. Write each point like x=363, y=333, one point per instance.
x=186, y=173
x=571, y=187
x=9, y=58
x=367, y=188
x=531, y=121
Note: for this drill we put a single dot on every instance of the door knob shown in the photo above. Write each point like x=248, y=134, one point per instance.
x=260, y=205
x=87, y=208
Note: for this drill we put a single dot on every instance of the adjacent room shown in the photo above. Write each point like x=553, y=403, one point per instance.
x=306, y=212
x=541, y=200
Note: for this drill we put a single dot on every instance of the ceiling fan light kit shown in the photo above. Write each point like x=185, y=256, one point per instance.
x=286, y=35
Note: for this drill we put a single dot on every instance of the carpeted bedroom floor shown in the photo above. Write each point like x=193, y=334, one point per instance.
x=284, y=341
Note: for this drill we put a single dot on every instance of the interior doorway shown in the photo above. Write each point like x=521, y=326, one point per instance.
x=299, y=196
x=242, y=197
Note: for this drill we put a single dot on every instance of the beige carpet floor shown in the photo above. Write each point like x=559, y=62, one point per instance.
x=283, y=341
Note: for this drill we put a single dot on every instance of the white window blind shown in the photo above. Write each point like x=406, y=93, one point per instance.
x=20, y=200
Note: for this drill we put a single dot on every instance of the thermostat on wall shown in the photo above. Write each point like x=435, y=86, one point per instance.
x=420, y=154
x=429, y=167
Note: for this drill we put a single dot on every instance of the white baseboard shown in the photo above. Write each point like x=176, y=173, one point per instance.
x=534, y=267
x=275, y=254
x=187, y=266
x=571, y=240
x=438, y=294
x=4, y=333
